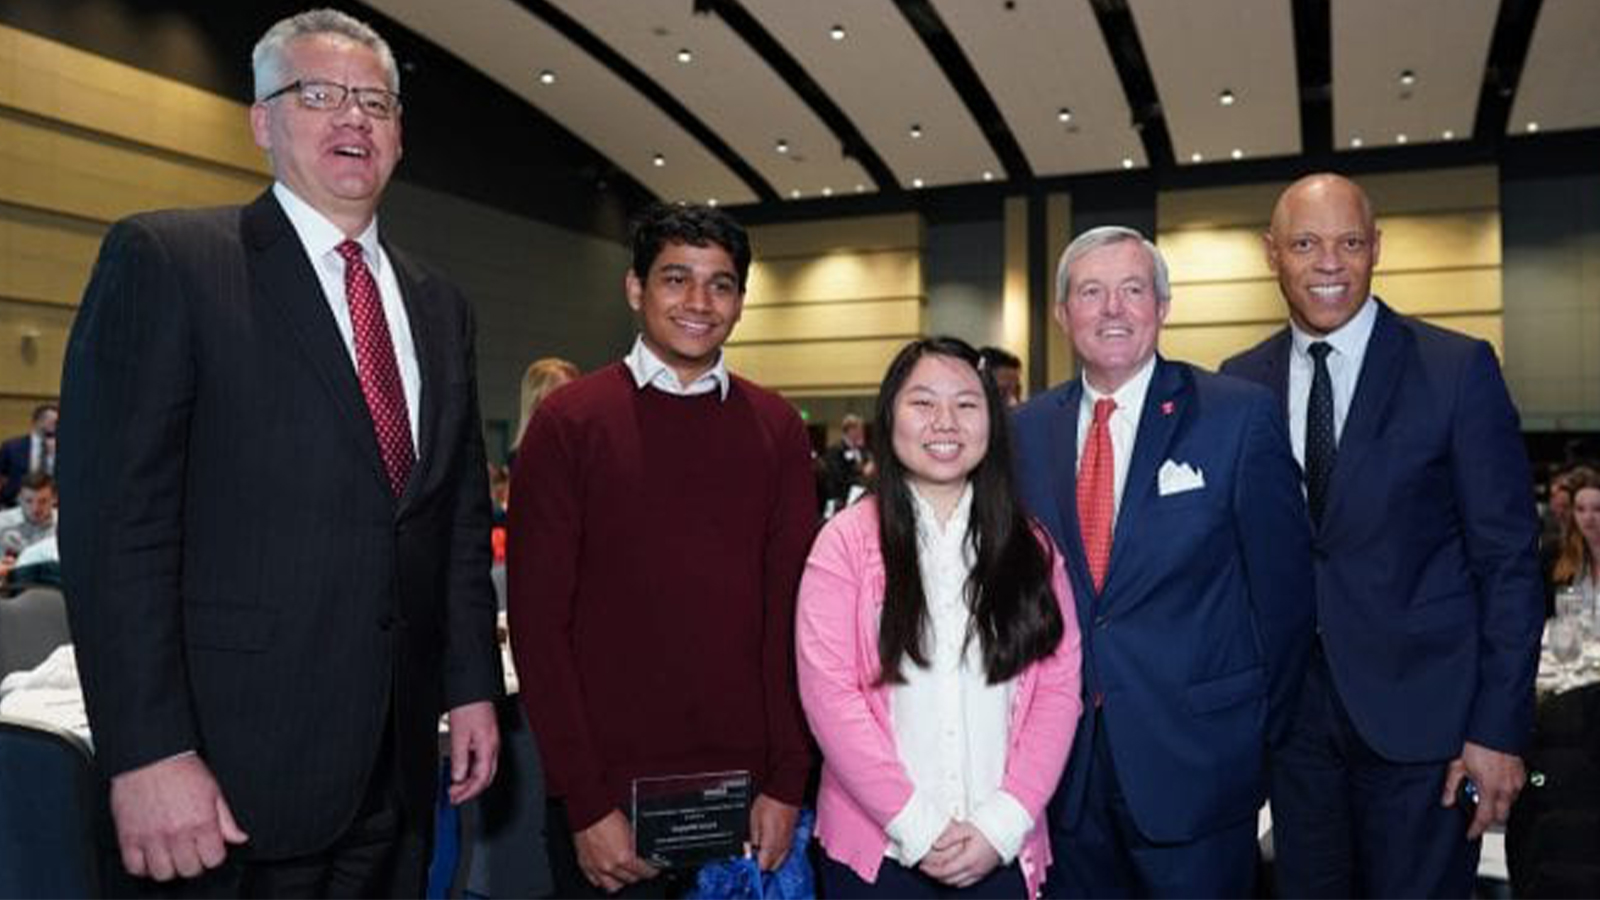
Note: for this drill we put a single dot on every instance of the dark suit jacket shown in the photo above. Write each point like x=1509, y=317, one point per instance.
x=1199, y=639
x=1429, y=596
x=240, y=578
x=15, y=455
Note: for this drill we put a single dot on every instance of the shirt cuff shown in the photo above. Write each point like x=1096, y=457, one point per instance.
x=914, y=828
x=1004, y=824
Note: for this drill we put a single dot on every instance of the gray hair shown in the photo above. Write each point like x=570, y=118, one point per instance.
x=1104, y=236
x=267, y=60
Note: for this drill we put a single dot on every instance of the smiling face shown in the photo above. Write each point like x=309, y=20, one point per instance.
x=1111, y=312
x=1586, y=515
x=338, y=161
x=687, y=305
x=1323, y=247
x=941, y=427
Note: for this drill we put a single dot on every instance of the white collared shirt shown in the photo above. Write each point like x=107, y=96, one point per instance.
x=1349, y=345
x=648, y=370
x=38, y=460
x=319, y=237
x=951, y=726
x=1123, y=424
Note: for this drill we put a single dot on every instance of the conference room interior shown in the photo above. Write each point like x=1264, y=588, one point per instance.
x=935, y=199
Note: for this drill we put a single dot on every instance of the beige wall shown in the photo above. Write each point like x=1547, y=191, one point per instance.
x=1440, y=258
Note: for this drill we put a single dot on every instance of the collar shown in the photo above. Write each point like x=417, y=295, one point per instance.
x=1131, y=395
x=648, y=370
x=1348, y=340
x=317, y=234
x=929, y=528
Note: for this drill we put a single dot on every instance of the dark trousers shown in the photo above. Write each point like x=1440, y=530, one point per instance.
x=840, y=882
x=1107, y=856
x=569, y=878
x=1348, y=823
x=384, y=853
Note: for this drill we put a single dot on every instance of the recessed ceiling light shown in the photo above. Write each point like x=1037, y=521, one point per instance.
x=1063, y=115
x=1196, y=157
x=916, y=130
x=1237, y=153
x=794, y=194
x=861, y=189
x=916, y=182
x=1226, y=98
x=1127, y=162
x=1356, y=142
x=658, y=160
x=782, y=146
x=1533, y=127
x=1408, y=77
x=1448, y=135
x=1401, y=138
x=547, y=77
x=988, y=175
x=712, y=202
x=684, y=56
x=836, y=32
x=827, y=191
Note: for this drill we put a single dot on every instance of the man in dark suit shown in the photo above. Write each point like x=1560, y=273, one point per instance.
x=1173, y=494
x=1429, y=601
x=846, y=463
x=265, y=648
x=25, y=454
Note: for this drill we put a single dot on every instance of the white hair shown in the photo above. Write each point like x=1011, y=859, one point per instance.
x=1104, y=236
x=268, y=62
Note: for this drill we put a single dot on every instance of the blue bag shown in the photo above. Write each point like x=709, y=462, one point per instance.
x=739, y=877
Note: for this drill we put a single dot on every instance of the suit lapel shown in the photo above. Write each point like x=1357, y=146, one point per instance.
x=1064, y=445
x=1275, y=368
x=427, y=334
x=1381, y=370
x=281, y=275
x=1165, y=405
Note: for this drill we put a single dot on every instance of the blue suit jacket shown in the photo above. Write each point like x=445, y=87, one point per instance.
x=1199, y=639
x=15, y=455
x=1429, y=596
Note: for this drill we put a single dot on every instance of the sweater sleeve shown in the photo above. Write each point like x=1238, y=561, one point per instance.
x=791, y=527
x=543, y=539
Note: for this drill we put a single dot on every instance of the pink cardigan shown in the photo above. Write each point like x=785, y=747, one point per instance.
x=864, y=784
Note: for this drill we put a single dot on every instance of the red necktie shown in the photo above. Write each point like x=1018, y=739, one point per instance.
x=1096, y=500
x=375, y=363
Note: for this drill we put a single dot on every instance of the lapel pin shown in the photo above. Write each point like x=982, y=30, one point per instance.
x=1166, y=407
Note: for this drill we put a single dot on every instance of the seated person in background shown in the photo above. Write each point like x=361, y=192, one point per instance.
x=1006, y=369
x=34, y=517
x=1574, y=564
x=944, y=741
x=29, y=453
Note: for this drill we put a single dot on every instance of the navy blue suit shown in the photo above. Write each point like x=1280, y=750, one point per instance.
x=15, y=455
x=1429, y=596
x=1197, y=642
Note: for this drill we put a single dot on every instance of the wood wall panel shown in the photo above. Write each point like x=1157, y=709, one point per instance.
x=900, y=231
x=1209, y=345
x=837, y=276
x=47, y=257
x=821, y=368
x=809, y=322
x=33, y=340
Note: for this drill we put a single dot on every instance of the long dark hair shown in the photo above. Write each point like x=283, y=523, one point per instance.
x=1015, y=618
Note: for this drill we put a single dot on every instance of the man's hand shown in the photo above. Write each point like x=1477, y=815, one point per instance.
x=1499, y=777
x=605, y=854
x=771, y=830
x=474, y=749
x=961, y=856
x=172, y=819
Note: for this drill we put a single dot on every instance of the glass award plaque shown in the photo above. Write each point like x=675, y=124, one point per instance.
x=683, y=821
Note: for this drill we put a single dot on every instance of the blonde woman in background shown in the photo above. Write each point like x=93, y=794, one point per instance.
x=1580, y=537
x=542, y=377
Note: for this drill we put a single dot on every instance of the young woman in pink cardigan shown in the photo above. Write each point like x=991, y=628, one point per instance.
x=938, y=653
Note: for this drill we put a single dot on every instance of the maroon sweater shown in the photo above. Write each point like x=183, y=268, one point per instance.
x=654, y=550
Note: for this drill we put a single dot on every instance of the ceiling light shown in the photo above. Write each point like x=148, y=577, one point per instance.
x=1533, y=127
x=916, y=131
x=861, y=189
x=1196, y=157
x=1237, y=153
x=547, y=77
x=1063, y=115
x=1127, y=162
x=916, y=182
x=794, y=194
x=1448, y=135
x=1226, y=98
x=1408, y=77
x=827, y=192
x=684, y=56
x=988, y=175
x=1356, y=142
x=1401, y=138
x=782, y=146
x=658, y=160
x=712, y=202
x=836, y=32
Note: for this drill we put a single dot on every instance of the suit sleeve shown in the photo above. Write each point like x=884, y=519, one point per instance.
x=128, y=391
x=1275, y=545
x=472, y=657
x=1489, y=468
x=791, y=528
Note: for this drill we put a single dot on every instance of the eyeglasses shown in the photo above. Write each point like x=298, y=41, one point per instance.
x=329, y=96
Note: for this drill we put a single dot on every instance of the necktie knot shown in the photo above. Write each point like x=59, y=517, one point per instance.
x=1319, y=351
x=1103, y=408
x=350, y=250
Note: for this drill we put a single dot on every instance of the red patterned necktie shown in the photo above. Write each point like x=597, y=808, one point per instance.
x=1096, y=500
x=376, y=365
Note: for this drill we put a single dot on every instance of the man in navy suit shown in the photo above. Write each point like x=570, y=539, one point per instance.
x=32, y=452
x=1429, y=601
x=1174, y=496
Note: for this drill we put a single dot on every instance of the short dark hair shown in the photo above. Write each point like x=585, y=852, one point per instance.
x=997, y=358
x=41, y=409
x=661, y=224
x=36, y=481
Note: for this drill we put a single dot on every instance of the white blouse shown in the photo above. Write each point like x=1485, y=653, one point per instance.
x=951, y=726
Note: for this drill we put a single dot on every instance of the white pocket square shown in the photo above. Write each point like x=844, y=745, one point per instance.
x=1175, y=478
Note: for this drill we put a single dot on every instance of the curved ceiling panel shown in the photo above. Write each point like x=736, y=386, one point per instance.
x=1560, y=87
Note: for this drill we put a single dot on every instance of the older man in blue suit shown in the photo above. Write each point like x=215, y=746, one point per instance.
x=1429, y=603
x=1174, y=496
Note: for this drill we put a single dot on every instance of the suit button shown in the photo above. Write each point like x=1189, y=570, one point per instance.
x=1100, y=621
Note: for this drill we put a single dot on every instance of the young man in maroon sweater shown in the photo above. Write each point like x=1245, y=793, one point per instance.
x=661, y=512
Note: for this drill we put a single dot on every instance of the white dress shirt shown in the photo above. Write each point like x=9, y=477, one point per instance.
x=1123, y=425
x=320, y=238
x=951, y=726
x=38, y=459
x=649, y=371
x=1349, y=345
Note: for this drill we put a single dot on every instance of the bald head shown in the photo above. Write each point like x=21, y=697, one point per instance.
x=1323, y=246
